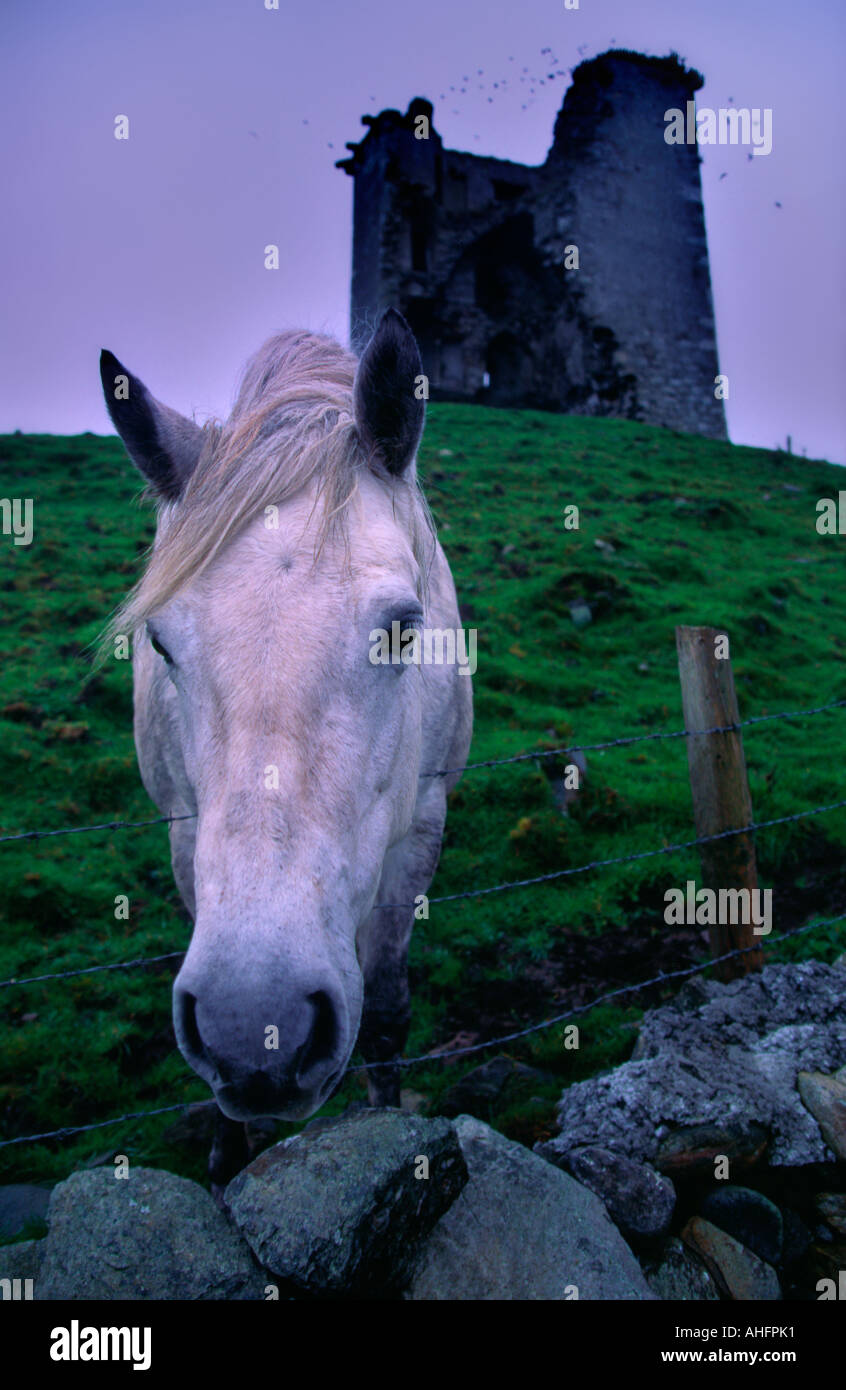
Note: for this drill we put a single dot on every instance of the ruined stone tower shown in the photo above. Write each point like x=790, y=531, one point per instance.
x=474, y=252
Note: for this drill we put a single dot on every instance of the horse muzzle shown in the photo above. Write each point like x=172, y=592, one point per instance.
x=264, y=1051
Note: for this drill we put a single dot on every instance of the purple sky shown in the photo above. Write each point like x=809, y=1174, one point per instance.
x=153, y=247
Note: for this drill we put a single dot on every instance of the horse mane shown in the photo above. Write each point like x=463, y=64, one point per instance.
x=292, y=422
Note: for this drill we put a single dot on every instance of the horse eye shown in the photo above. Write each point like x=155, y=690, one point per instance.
x=157, y=647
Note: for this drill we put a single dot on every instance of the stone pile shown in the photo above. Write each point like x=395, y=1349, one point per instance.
x=719, y=1149
x=711, y=1165
x=377, y=1205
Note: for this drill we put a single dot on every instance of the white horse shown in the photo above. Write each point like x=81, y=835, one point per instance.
x=286, y=538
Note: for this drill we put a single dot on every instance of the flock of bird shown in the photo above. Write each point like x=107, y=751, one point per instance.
x=530, y=81
x=502, y=85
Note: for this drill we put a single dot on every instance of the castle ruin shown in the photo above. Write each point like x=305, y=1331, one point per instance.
x=478, y=254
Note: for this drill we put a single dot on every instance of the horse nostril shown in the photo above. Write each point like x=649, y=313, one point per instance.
x=322, y=1040
x=191, y=1032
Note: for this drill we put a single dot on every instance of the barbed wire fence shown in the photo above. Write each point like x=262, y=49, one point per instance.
x=439, y=1055
x=539, y=753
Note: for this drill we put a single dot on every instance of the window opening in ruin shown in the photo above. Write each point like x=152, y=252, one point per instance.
x=506, y=192
x=505, y=365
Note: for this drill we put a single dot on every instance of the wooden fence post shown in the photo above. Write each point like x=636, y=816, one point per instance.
x=719, y=785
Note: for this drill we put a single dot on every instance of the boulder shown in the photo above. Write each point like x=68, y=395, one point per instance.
x=343, y=1206
x=22, y=1261
x=825, y=1097
x=691, y=1150
x=750, y=1217
x=718, y=1053
x=639, y=1201
x=523, y=1229
x=736, y=1269
x=832, y=1208
x=681, y=1274
x=152, y=1235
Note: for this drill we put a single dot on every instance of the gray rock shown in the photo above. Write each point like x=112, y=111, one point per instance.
x=691, y=1150
x=825, y=1097
x=638, y=1200
x=152, y=1235
x=737, y=1269
x=681, y=1274
x=488, y=1085
x=719, y=1052
x=22, y=1261
x=21, y=1204
x=522, y=1229
x=832, y=1208
x=344, y=1206
x=750, y=1217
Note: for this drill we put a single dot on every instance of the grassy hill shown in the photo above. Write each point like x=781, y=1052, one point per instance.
x=691, y=531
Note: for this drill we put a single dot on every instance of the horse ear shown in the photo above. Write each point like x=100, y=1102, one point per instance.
x=388, y=412
x=161, y=442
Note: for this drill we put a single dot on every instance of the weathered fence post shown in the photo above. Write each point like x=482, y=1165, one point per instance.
x=719, y=785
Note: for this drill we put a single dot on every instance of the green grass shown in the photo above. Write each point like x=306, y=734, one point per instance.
x=703, y=533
